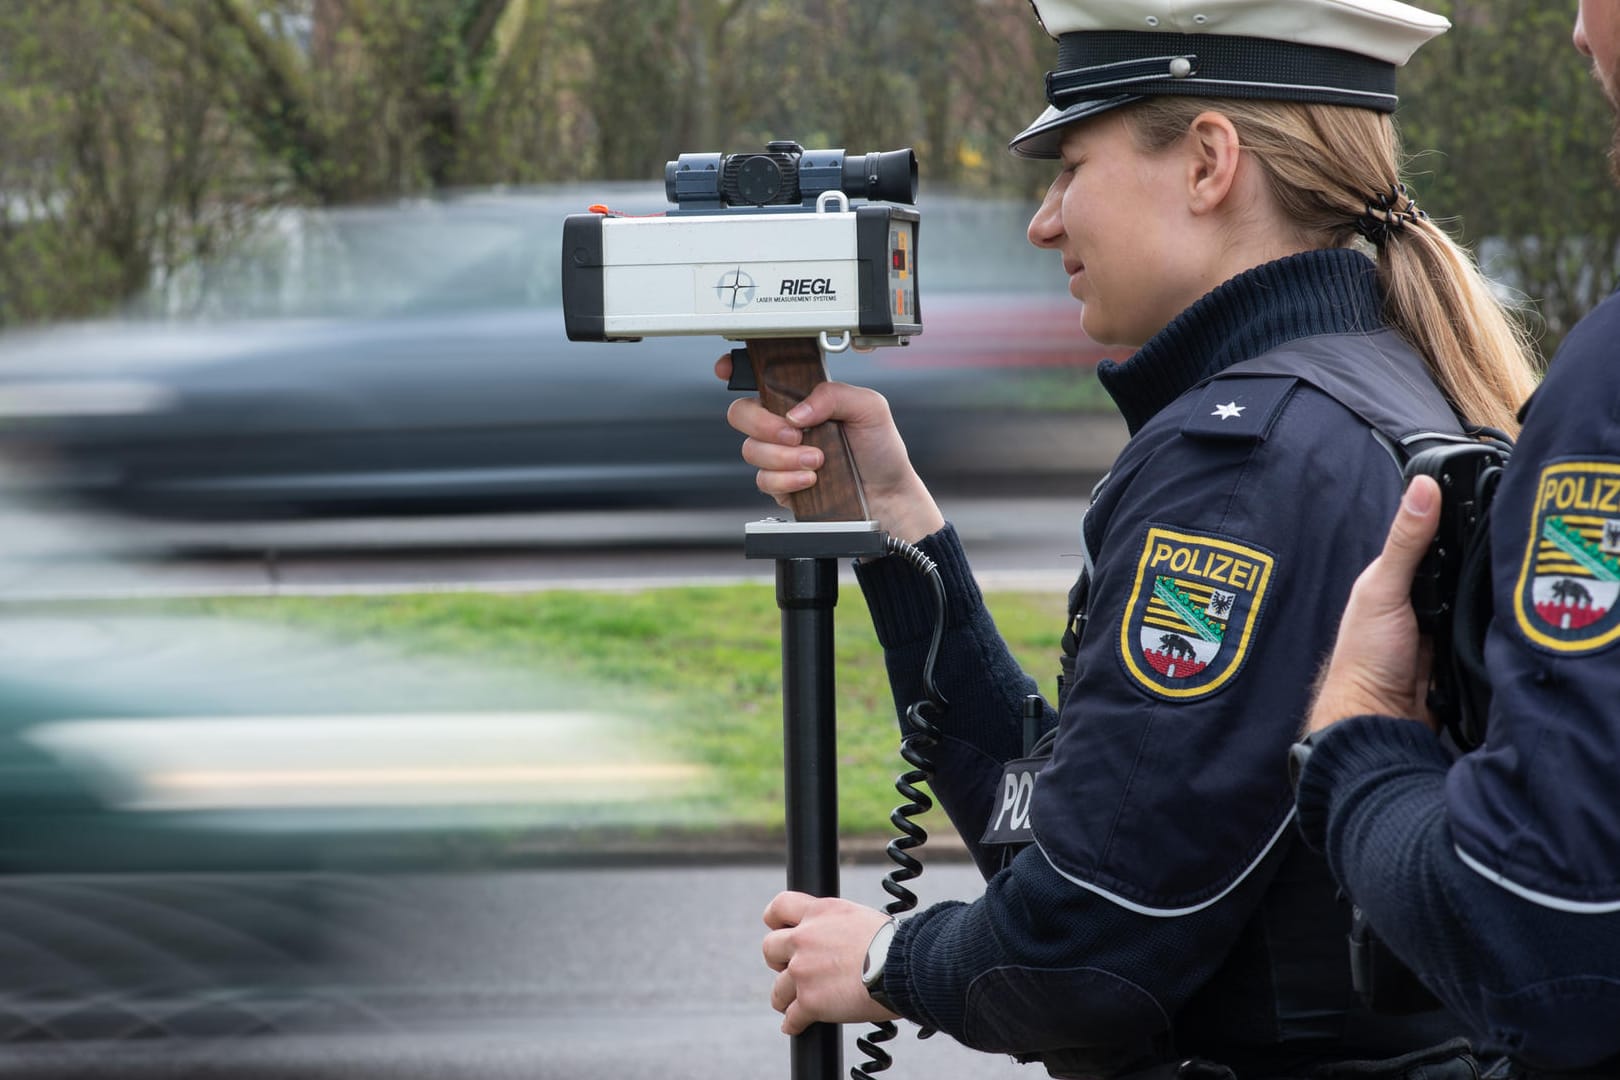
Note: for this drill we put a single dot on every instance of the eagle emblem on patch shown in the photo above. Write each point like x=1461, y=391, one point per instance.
x=1194, y=606
x=1570, y=577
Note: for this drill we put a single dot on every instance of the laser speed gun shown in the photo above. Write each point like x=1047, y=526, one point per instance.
x=798, y=253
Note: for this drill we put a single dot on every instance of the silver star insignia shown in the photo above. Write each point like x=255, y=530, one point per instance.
x=1228, y=411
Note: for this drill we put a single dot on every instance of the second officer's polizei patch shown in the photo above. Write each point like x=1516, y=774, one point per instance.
x=1193, y=613
x=1570, y=577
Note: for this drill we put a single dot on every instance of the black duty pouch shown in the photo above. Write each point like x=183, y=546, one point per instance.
x=1009, y=823
x=1009, y=826
x=1450, y=1060
x=1381, y=979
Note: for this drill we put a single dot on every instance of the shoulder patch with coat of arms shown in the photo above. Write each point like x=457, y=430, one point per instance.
x=1568, y=582
x=1193, y=611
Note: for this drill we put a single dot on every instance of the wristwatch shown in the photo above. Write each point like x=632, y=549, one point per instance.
x=1298, y=755
x=877, y=954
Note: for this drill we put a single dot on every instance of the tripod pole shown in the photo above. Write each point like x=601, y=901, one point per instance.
x=806, y=592
x=806, y=555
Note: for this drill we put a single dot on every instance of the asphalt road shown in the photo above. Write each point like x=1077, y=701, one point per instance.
x=1027, y=540
x=623, y=973
x=557, y=974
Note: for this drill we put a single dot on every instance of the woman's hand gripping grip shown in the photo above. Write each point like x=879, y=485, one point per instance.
x=785, y=371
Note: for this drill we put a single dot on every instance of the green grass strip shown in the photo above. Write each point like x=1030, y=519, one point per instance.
x=696, y=669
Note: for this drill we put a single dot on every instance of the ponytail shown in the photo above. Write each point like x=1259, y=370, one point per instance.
x=1334, y=172
x=1436, y=297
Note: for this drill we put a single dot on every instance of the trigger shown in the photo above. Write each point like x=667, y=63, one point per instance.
x=742, y=371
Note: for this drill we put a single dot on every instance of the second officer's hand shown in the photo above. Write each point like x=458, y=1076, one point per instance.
x=817, y=947
x=895, y=495
x=1380, y=664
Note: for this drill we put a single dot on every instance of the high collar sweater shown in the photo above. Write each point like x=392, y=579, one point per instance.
x=1329, y=291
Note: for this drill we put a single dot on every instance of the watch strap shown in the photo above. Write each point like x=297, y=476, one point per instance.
x=1298, y=755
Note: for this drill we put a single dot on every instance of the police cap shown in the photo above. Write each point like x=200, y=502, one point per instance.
x=1114, y=52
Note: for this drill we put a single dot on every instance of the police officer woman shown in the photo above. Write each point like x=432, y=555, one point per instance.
x=1497, y=877
x=1228, y=202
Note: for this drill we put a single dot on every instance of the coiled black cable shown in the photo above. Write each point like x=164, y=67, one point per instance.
x=920, y=737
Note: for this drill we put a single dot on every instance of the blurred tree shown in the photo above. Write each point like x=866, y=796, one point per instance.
x=980, y=69
x=354, y=98
x=690, y=76
x=139, y=133
x=527, y=124
x=256, y=72
x=113, y=163
x=637, y=85
x=952, y=78
x=1509, y=134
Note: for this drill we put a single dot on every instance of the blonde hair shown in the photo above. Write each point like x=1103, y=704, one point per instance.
x=1325, y=165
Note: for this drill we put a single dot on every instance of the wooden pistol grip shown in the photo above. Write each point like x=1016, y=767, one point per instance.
x=786, y=370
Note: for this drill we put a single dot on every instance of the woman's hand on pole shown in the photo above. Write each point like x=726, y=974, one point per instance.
x=817, y=947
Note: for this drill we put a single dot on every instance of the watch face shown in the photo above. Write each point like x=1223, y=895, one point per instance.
x=876, y=954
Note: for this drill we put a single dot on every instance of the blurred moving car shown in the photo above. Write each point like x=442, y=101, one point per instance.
x=223, y=839
x=136, y=741
x=412, y=357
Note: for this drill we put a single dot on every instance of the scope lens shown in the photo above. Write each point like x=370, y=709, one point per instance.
x=890, y=176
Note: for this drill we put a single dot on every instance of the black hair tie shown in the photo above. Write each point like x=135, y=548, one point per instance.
x=1387, y=214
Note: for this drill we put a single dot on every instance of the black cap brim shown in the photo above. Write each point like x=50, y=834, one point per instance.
x=1043, y=139
x=1105, y=69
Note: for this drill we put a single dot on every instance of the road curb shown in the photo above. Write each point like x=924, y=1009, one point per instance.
x=690, y=847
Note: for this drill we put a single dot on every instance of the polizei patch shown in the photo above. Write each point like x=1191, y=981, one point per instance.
x=1193, y=612
x=1565, y=600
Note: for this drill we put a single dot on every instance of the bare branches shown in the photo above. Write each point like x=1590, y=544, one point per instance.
x=479, y=23
x=269, y=92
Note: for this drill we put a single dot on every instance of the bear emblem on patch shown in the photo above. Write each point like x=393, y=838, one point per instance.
x=1570, y=577
x=1192, y=613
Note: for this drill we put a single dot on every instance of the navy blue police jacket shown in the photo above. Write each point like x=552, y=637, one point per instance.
x=1497, y=877
x=1164, y=906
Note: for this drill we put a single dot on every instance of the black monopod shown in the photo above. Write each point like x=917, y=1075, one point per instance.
x=796, y=253
x=830, y=524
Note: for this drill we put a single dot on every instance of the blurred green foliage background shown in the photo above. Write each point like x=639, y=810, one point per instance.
x=138, y=135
